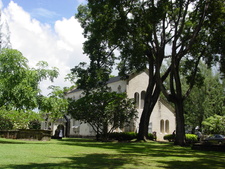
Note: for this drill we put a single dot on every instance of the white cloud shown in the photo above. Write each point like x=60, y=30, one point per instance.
x=60, y=46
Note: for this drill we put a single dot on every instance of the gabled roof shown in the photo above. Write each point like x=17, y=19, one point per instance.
x=111, y=80
x=167, y=104
x=114, y=79
x=74, y=90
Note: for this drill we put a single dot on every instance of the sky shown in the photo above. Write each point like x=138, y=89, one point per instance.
x=46, y=30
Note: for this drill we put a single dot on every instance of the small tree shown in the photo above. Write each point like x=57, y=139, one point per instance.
x=55, y=105
x=104, y=111
x=214, y=125
x=19, y=83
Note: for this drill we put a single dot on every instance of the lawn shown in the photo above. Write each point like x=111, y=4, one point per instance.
x=85, y=154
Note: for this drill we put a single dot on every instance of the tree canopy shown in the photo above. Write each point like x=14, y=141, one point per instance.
x=20, y=92
x=205, y=100
x=214, y=124
x=105, y=111
x=19, y=84
x=146, y=33
x=53, y=106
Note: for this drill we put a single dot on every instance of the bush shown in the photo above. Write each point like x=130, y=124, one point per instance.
x=35, y=124
x=151, y=137
x=169, y=137
x=190, y=138
x=127, y=136
x=5, y=124
x=123, y=136
x=214, y=124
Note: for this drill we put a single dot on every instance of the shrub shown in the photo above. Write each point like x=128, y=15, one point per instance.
x=169, y=137
x=123, y=136
x=35, y=124
x=190, y=138
x=151, y=137
x=5, y=124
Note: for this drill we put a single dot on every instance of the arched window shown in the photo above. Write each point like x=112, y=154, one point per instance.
x=167, y=126
x=142, y=99
x=162, y=126
x=136, y=99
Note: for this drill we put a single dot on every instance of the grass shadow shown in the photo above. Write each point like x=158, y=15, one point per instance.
x=108, y=155
x=89, y=161
x=11, y=141
x=200, y=163
x=174, y=156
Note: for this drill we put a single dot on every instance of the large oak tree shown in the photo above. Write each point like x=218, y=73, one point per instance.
x=146, y=33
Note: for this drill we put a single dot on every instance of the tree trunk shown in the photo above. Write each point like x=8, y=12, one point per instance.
x=105, y=131
x=180, y=130
x=149, y=104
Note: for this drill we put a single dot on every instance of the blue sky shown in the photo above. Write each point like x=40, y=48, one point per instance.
x=46, y=30
x=48, y=11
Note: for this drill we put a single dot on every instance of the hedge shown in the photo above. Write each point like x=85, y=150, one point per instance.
x=127, y=136
x=123, y=136
x=190, y=138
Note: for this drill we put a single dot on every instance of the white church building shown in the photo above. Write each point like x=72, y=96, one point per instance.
x=162, y=120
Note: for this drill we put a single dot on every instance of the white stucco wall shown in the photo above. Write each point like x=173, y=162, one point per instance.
x=161, y=112
x=115, y=86
x=75, y=95
x=135, y=84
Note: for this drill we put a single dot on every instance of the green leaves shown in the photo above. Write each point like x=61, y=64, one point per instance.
x=101, y=109
x=20, y=93
x=19, y=84
x=205, y=100
x=214, y=124
x=55, y=105
x=16, y=119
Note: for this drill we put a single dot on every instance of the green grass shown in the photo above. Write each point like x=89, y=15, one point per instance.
x=85, y=154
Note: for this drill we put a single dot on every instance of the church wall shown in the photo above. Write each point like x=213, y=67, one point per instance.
x=119, y=86
x=162, y=120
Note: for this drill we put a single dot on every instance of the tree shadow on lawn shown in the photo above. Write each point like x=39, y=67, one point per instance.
x=89, y=161
x=10, y=142
x=174, y=156
x=160, y=155
x=200, y=163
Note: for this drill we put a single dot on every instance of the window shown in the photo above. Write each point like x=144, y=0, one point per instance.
x=136, y=99
x=167, y=126
x=142, y=99
x=162, y=126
